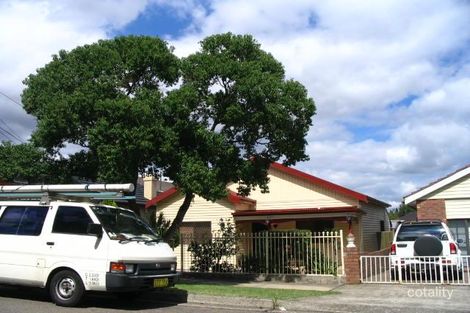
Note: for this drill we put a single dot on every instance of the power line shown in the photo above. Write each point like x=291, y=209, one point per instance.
x=5, y=132
x=11, y=99
x=10, y=132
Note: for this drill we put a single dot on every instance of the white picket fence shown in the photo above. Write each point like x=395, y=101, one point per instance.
x=282, y=253
x=415, y=270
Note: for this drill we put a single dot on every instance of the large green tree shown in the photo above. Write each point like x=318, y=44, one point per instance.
x=232, y=114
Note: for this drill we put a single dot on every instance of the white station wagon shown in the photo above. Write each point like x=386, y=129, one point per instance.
x=72, y=247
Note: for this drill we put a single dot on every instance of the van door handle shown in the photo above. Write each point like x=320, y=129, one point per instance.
x=49, y=243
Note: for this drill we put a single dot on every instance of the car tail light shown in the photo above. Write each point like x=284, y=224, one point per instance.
x=453, y=248
x=393, y=249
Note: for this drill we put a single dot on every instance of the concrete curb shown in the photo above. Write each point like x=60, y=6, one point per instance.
x=223, y=301
x=237, y=302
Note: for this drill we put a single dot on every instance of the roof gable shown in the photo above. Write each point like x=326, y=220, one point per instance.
x=234, y=198
x=437, y=185
x=327, y=184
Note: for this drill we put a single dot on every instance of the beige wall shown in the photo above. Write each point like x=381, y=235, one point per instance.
x=200, y=210
x=287, y=192
x=459, y=189
x=356, y=230
x=457, y=208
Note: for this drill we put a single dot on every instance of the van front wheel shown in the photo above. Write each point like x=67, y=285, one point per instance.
x=66, y=288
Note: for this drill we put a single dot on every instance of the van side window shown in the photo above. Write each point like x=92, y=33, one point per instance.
x=23, y=220
x=71, y=220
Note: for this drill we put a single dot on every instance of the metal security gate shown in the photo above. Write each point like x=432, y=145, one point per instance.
x=453, y=270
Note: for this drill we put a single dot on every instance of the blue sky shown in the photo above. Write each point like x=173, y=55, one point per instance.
x=390, y=78
x=162, y=21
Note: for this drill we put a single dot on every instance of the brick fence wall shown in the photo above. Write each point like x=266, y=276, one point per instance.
x=352, y=265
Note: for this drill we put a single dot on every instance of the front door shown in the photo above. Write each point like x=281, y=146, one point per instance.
x=68, y=244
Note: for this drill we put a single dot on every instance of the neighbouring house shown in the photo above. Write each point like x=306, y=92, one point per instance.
x=446, y=199
x=408, y=217
x=296, y=200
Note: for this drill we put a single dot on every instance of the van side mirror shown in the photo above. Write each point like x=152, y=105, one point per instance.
x=95, y=230
x=460, y=241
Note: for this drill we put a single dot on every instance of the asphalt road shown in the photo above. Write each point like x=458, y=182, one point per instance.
x=28, y=300
x=364, y=298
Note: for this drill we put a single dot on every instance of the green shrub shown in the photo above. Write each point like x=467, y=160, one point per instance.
x=208, y=255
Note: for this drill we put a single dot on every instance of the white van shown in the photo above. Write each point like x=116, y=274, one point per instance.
x=72, y=247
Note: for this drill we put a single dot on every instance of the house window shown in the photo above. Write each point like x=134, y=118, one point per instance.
x=382, y=225
x=316, y=225
x=197, y=231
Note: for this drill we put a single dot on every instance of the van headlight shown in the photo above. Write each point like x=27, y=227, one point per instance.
x=173, y=267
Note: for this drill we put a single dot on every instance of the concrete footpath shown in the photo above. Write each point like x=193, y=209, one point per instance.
x=352, y=298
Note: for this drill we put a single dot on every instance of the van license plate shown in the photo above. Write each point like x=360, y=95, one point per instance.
x=160, y=282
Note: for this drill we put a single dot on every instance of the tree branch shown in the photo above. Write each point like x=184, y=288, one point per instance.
x=175, y=225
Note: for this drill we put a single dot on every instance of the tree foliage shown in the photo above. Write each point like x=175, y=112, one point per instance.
x=402, y=210
x=26, y=163
x=104, y=97
x=232, y=114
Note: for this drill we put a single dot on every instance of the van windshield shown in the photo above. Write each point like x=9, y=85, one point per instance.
x=124, y=225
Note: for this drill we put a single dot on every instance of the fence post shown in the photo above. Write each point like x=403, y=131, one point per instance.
x=352, y=263
x=266, y=245
x=181, y=253
x=342, y=251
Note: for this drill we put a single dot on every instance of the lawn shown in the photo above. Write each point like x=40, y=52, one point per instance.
x=251, y=292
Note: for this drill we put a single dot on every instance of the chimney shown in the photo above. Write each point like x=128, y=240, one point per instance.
x=150, y=187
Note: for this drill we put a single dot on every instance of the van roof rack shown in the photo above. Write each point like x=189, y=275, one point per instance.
x=76, y=192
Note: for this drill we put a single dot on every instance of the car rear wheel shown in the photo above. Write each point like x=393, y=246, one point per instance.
x=66, y=288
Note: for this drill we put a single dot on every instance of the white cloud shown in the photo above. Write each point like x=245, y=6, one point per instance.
x=31, y=31
x=359, y=61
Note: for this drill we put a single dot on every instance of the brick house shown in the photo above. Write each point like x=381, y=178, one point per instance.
x=448, y=200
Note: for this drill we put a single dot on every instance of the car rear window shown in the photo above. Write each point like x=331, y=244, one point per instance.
x=413, y=232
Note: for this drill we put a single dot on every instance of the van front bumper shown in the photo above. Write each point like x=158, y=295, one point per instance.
x=125, y=283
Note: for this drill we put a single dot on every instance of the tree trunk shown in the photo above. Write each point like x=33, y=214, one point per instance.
x=175, y=225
